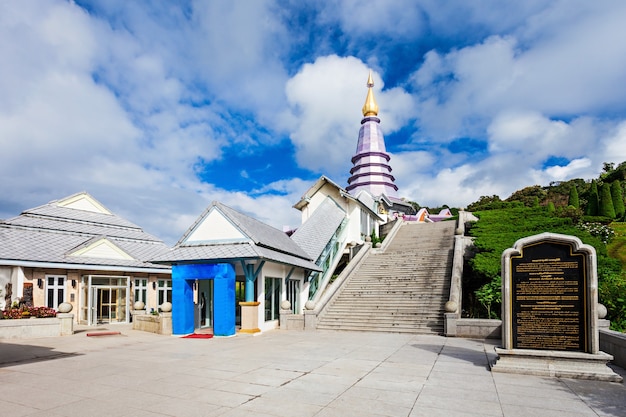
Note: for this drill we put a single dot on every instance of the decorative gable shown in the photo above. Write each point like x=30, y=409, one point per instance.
x=85, y=202
x=216, y=228
x=102, y=248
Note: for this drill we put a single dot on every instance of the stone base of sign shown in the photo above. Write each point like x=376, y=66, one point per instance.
x=559, y=364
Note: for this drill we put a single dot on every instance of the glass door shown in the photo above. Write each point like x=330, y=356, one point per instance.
x=108, y=305
x=240, y=295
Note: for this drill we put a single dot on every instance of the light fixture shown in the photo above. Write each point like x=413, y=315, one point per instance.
x=73, y=283
x=40, y=282
x=154, y=285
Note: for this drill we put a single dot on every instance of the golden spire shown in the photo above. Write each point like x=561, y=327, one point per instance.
x=370, y=108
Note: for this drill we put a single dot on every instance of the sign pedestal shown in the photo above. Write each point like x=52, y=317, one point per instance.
x=559, y=364
x=549, y=310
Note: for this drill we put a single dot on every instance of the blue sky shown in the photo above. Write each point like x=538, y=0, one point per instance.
x=158, y=108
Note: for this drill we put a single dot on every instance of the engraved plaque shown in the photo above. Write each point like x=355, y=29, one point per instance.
x=548, y=298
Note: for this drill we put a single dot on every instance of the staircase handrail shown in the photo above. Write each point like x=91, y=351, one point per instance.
x=389, y=238
x=335, y=261
x=332, y=290
x=461, y=242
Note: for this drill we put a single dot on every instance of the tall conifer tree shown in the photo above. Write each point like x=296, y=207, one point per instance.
x=592, y=203
x=606, y=202
x=618, y=198
x=573, y=197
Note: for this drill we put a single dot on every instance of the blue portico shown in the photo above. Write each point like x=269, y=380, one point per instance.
x=230, y=273
x=184, y=277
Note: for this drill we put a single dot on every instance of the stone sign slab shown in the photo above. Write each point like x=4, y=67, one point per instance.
x=548, y=298
x=549, y=310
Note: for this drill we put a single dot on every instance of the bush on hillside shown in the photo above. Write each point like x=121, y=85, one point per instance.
x=498, y=230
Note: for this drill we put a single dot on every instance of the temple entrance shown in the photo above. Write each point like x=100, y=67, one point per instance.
x=205, y=303
x=109, y=305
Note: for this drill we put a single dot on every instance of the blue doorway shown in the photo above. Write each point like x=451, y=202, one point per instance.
x=223, y=297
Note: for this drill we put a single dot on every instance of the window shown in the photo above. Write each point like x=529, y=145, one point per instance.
x=141, y=287
x=293, y=294
x=55, y=290
x=272, y=298
x=365, y=223
x=164, y=291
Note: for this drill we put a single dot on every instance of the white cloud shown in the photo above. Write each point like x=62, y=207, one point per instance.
x=326, y=98
x=571, y=170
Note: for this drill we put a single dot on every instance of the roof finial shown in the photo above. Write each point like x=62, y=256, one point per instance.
x=370, y=108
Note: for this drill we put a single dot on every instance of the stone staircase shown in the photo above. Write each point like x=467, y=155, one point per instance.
x=402, y=290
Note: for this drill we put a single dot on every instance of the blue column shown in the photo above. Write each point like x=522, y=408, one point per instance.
x=224, y=300
x=250, y=278
x=182, y=302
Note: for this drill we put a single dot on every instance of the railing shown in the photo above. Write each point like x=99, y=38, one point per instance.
x=455, y=301
x=311, y=316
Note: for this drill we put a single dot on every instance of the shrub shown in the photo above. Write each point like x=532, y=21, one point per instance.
x=618, y=198
x=606, y=202
x=573, y=197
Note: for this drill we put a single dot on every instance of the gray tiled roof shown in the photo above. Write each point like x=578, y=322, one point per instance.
x=266, y=242
x=49, y=234
x=314, y=234
x=230, y=252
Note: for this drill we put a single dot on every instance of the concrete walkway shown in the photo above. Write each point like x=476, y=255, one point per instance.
x=281, y=373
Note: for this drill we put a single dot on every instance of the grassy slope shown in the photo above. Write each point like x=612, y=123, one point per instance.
x=617, y=247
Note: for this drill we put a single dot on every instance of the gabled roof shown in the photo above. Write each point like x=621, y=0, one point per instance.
x=304, y=200
x=316, y=232
x=77, y=232
x=256, y=240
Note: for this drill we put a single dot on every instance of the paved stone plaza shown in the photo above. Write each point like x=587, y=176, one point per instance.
x=280, y=373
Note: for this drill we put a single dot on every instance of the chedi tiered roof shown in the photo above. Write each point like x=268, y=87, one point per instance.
x=371, y=171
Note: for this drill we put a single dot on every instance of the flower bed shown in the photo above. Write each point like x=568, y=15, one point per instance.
x=26, y=312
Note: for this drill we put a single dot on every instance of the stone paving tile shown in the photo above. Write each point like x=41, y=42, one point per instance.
x=348, y=367
x=215, y=397
x=187, y=408
x=526, y=411
x=372, y=381
x=346, y=412
x=324, y=384
x=248, y=388
x=352, y=404
x=557, y=389
x=567, y=405
x=307, y=397
x=90, y=407
x=287, y=407
x=392, y=369
x=402, y=399
x=607, y=399
x=453, y=405
x=270, y=377
x=468, y=392
x=10, y=408
x=422, y=411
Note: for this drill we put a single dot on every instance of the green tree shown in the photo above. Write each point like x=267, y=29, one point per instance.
x=573, y=197
x=606, y=202
x=551, y=208
x=618, y=198
x=592, y=201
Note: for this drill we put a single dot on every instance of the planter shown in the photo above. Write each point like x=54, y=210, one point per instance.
x=30, y=328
